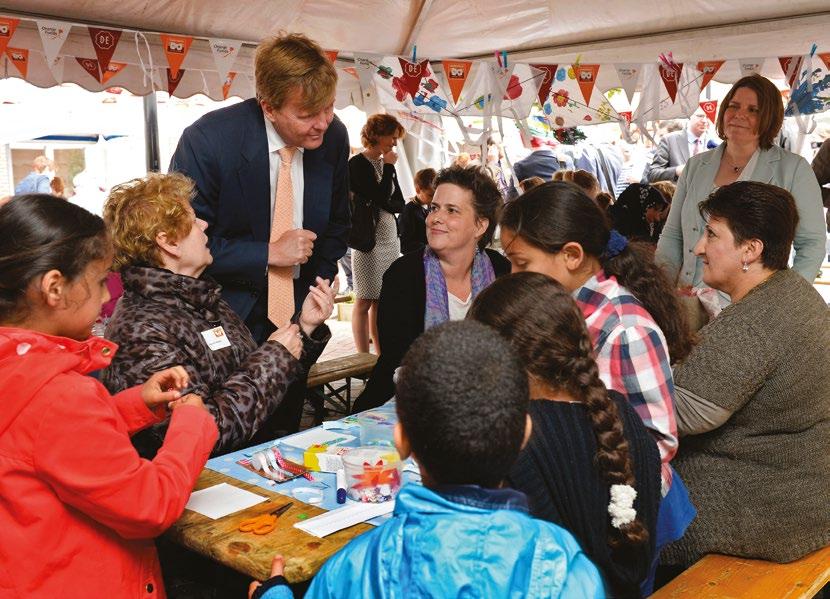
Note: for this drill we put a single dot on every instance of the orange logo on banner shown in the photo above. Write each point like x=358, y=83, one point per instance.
x=112, y=70
x=456, y=72
x=547, y=82
x=7, y=27
x=176, y=48
x=825, y=58
x=90, y=65
x=173, y=82
x=708, y=68
x=104, y=41
x=20, y=58
x=226, y=87
x=710, y=107
x=586, y=76
x=331, y=55
x=670, y=77
x=791, y=69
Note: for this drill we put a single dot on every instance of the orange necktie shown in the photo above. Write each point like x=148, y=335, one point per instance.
x=281, y=279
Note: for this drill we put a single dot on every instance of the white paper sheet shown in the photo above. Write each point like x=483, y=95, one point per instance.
x=315, y=436
x=222, y=499
x=344, y=517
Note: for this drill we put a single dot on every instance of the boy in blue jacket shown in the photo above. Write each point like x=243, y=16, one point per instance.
x=462, y=401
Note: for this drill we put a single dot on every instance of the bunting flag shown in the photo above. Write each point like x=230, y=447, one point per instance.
x=456, y=73
x=52, y=34
x=411, y=75
x=709, y=68
x=226, y=86
x=367, y=66
x=19, y=58
x=549, y=74
x=586, y=76
x=566, y=108
x=630, y=75
x=750, y=66
x=7, y=27
x=56, y=66
x=174, y=80
x=521, y=91
x=655, y=103
x=112, y=70
x=626, y=115
x=176, y=48
x=104, y=41
x=352, y=71
x=90, y=65
x=791, y=65
x=825, y=58
x=331, y=55
x=224, y=55
x=710, y=107
x=670, y=77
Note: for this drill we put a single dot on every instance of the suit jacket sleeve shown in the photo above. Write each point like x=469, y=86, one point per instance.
x=659, y=169
x=331, y=245
x=821, y=167
x=669, y=253
x=811, y=233
x=195, y=157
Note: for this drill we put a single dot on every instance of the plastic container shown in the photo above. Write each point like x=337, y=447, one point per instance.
x=373, y=474
x=377, y=428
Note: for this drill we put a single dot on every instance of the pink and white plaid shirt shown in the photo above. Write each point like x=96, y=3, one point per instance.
x=633, y=358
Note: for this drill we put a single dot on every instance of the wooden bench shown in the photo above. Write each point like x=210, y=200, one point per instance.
x=322, y=375
x=726, y=577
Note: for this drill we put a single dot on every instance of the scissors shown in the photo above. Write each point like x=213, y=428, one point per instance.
x=264, y=524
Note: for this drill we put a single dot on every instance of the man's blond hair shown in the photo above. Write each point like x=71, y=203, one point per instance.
x=292, y=60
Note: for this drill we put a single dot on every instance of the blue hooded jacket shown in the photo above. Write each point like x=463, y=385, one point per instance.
x=464, y=541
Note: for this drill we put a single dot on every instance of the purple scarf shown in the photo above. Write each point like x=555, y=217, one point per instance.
x=437, y=304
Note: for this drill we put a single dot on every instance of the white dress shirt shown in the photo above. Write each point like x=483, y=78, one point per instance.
x=276, y=143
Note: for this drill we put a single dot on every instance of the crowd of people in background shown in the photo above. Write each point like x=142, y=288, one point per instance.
x=533, y=323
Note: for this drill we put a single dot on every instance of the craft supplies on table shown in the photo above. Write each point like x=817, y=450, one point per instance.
x=221, y=500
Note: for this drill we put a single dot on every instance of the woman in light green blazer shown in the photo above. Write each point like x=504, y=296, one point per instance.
x=750, y=117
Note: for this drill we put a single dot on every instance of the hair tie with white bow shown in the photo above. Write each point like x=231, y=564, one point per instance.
x=621, y=507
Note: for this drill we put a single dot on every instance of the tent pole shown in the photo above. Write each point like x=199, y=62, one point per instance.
x=151, y=132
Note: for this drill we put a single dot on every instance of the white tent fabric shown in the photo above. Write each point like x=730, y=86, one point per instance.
x=546, y=31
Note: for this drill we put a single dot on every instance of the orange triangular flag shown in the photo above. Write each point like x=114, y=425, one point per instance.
x=19, y=58
x=456, y=72
x=112, y=70
x=176, y=48
x=7, y=27
x=226, y=87
x=586, y=76
x=825, y=57
x=709, y=68
x=331, y=55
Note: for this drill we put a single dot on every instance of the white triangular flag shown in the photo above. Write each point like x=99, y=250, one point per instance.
x=630, y=75
x=366, y=66
x=224, y=54
x=53, y=34
x=750, y=66
x=56, y=66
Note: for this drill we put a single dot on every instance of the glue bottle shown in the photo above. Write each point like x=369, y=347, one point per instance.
x=341, y=486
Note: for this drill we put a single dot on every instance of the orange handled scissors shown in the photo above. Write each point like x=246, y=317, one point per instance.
x=264, y=524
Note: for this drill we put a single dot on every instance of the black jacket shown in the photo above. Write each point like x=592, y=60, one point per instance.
x=401, y=320
x=412, y=227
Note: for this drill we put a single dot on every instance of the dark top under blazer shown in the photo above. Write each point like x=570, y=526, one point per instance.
x=401, y=308
x=225, y=152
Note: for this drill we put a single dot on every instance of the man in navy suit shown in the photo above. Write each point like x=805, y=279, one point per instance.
x=232, y=156
x=541, y=162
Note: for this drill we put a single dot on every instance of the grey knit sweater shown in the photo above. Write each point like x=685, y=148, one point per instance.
x=761, y=481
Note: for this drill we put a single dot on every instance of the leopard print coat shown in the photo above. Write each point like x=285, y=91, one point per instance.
x=158, y=323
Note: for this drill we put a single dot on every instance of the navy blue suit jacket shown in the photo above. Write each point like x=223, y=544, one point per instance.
x=539, y=163
x=225, y=152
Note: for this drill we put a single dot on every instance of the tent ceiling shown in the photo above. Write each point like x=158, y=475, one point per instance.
x=554, y=31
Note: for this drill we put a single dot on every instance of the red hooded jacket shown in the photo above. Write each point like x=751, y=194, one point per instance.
x=78, y=507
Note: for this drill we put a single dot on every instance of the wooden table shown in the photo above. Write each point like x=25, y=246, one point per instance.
x=322, y=375
x=251, y=554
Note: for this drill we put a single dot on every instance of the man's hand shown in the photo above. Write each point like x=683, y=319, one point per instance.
x=162, y=387
x=390, y=157
x=277, y=569
x=290, y=338
x=292, y=248
x=679, y=169
x=318, y=304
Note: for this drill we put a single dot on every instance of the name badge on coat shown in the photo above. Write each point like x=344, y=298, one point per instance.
x=216, y=338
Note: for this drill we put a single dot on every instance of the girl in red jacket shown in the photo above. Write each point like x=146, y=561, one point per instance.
x=78, y=507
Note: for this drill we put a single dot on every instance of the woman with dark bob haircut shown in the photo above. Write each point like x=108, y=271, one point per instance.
x=437, y=284
x=753, y=398
x=749, y=119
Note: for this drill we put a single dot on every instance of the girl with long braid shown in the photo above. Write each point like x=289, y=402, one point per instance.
x=590, y=465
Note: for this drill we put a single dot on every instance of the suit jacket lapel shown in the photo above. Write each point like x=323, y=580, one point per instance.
x=254, y=174
x=764, y=171
x=683, y=147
